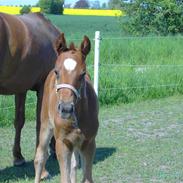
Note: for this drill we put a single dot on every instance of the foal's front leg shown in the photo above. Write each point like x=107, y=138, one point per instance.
x=74, y=166
x=64, y=158
x=38, y=119
x=42, y=152
x=87, y=156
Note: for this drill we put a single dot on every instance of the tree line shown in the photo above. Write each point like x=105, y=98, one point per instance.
x=143, y=17
x=57, y=6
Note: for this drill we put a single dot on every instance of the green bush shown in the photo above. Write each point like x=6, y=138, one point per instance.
x=25, y=9
x=160, y=17
x=51, y=6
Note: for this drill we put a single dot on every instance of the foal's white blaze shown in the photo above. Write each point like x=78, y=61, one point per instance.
x=70, y=64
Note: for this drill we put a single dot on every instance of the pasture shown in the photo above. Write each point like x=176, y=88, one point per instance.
x=138, y=142
x=140, y=137
x=131, y=68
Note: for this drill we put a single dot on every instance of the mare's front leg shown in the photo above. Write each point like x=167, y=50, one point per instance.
x=18, y=124
x=38, y=112
x=64, y=158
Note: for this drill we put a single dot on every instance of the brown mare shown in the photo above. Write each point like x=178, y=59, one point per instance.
x=70, y=113
x=26, y=57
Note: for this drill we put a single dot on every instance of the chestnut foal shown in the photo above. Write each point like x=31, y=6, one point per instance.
x=70, y=113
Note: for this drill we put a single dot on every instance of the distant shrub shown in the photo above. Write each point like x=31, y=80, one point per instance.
x=83, y=4
x=160, y=17
x=51, y=6
x=25, y=10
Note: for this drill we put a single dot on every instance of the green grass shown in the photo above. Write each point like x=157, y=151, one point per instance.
x=75, y=27
x=141, y=53
x=119, y=83
x=136, y=142
x=7, y=109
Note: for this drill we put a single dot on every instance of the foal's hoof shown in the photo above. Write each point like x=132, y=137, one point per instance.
x=19, y=162
x=45, y=175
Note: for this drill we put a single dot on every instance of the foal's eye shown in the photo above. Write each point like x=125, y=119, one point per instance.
x=82, y=75
x=56, y=73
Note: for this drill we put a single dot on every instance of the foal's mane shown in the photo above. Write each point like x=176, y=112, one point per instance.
x=72, y=46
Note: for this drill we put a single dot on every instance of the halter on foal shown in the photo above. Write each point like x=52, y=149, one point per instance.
x=70, y=113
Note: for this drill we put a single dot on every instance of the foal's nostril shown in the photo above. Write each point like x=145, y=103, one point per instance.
x=68, y=108
x=65, y=109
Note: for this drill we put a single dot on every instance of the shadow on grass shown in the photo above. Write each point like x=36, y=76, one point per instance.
x=103, y=153
x=27, y=171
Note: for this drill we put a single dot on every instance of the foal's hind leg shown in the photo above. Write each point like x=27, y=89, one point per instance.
x=18, y=124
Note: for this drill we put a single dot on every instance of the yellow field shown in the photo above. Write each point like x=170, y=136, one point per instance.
x=67, y=11
x=92, y=12
x=16, y=10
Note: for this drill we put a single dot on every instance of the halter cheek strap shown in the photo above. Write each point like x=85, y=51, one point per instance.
x=60, y=86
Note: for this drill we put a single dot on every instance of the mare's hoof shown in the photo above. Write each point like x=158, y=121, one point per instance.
x=45, y=175
x=19, y=162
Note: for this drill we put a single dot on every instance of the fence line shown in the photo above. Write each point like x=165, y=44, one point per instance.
x=106, y=89
x=141, y=87
x=13, y=106
x=127, y=65
x=128, y=38
x=134, y=65
x=136, y=37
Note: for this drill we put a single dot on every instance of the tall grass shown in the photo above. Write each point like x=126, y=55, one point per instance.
x=142, y=68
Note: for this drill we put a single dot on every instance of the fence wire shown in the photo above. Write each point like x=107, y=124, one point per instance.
x=141, y=66
x=109, y=65
x=140, y=38
x=143, y=87
x=172, y=85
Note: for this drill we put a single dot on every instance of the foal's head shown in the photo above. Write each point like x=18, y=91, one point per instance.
x=70, y=70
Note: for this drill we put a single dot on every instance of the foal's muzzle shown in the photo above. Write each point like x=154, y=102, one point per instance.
x=66, y=110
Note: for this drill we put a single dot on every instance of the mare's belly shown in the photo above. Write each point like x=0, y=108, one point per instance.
x=14, y=85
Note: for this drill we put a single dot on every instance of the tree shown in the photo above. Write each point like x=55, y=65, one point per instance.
x=56, y=7
x=160, y=17
x=25, y=9
x=51, y=6
x=82, y=4
x=45, y=5
x=114, y=4
x=104, y=6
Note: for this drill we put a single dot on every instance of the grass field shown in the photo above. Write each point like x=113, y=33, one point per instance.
x=131, y=69
x=138, y=142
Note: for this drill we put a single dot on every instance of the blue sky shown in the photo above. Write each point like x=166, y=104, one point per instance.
x=32, y=2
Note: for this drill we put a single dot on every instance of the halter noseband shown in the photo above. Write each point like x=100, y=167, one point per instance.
x=75, y=91
x=78, y=96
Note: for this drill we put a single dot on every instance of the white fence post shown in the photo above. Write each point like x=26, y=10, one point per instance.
x=96, y=60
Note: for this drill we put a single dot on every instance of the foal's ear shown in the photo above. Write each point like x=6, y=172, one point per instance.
x=85, y=46
x=60, y=44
